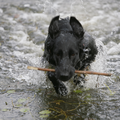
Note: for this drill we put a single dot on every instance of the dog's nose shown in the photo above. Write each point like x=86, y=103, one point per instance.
x=64, y=77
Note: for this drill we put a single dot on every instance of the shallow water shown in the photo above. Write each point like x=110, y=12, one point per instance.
x=24, y=93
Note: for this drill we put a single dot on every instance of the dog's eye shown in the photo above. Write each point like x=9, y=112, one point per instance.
x=59, y=54
x=72, y=54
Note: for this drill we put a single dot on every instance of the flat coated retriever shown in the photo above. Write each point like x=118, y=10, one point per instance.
x=67, y=47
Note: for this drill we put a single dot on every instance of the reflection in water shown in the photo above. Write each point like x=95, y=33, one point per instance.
x=84, y=105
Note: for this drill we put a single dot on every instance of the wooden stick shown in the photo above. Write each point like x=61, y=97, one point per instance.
x=91, y=72
x=76, y=71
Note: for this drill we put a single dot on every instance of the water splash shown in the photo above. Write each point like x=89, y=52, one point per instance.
x=99, y=65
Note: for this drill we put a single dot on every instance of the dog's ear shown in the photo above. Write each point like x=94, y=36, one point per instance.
x=77, y=27
x=54, y=27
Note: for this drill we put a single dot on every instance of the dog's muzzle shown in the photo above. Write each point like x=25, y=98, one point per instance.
x=64, y=73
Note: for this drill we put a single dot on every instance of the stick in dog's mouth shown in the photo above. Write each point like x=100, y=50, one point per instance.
x=76, y=71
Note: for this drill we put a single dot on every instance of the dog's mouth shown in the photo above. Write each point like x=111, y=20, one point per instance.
x=64, y=75
x=64, y=78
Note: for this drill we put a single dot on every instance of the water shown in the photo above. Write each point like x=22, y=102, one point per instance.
x=24, y=93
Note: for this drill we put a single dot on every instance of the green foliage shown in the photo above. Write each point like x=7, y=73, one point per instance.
x=21, y=100
x=24, y=110
x=18, y=105
x=44, y=113
x=111, y=93
x=10, y=91
x=4, y=110
x=44, y=116
x=78, y=91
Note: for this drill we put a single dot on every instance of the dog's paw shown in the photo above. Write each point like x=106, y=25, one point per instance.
x=61, y=89
x=79, y=80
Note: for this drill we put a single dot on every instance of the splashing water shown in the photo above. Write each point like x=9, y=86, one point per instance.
x=30, y=51
x=99, y=65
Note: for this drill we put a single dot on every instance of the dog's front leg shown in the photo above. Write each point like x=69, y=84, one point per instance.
x=79, y=80
x=59, y=87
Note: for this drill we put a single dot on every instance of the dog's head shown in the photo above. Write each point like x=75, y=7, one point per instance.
x=62, y=46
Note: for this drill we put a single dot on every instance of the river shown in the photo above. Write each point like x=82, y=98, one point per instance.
x=28, y=94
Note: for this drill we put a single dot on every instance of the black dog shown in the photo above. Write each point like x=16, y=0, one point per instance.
x=67, y=48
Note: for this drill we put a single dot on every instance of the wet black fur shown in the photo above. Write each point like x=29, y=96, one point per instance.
x=67, y=47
